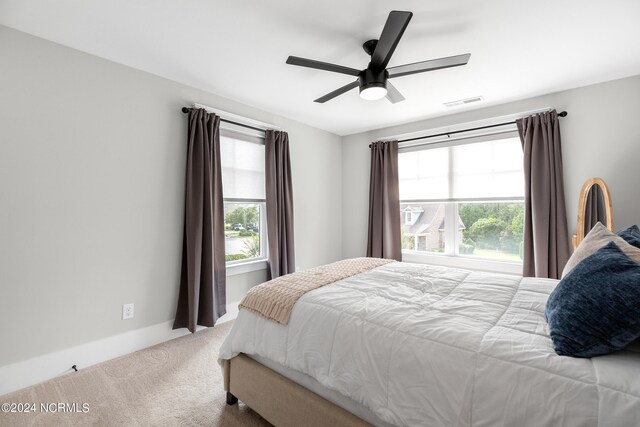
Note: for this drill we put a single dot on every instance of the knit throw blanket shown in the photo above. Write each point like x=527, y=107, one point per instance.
x=274, y=299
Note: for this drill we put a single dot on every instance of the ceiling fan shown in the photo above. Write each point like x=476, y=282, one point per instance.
x=373, y=80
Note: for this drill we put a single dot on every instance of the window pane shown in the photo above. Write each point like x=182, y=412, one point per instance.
x=423, y=174
x=422, y=226
x=242, y=168
x=492, y=230
x=243, y=231
x=488, y=169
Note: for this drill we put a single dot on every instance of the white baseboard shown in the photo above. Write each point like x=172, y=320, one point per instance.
x=41, y=368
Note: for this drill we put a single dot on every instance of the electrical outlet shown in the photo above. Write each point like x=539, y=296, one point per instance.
x=127, y=311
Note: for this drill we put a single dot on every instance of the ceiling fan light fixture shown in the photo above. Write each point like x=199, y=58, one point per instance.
x=373, y=91
x=373, y=84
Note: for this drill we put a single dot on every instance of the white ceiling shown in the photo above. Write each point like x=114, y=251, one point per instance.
x=238, y=49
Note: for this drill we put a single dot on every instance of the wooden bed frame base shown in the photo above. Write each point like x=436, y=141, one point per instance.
x=279, y=400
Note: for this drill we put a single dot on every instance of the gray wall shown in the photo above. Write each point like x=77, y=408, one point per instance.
x=600, y=137
x=91, y=182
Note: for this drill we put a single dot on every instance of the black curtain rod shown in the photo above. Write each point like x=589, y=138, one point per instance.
x=562, y=114
x=186, y=110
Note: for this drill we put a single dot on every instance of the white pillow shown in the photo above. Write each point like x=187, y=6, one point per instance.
x=597, y=238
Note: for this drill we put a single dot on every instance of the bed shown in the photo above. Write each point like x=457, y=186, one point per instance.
x=413, y=345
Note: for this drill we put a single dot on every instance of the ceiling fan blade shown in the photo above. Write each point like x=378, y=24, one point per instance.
x=337, y=92
x=393, y=94
x=310, y=63
x=432, y=64
x=391, y=33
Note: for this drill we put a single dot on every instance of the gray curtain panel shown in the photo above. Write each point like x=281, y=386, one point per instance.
x=279, y=204
x=384, y=202
x=546, y=242
x=202, y=298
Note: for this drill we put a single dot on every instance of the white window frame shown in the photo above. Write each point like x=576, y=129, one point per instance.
x=450, y=257
x=243, y=266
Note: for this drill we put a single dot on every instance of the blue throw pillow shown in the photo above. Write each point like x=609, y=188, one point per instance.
x=595, y=308
x=631, y=235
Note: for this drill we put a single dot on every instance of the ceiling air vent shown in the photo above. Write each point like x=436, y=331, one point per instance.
x=463, y=101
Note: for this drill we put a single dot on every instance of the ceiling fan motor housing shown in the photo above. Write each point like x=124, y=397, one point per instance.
x=372, y=78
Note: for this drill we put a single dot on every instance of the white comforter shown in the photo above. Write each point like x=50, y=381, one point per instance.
x=433, y=346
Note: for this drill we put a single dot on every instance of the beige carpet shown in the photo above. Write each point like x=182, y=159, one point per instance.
x=177, y=383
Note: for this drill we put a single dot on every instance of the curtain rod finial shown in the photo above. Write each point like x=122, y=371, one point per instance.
x=185, y=110
x=563, y=114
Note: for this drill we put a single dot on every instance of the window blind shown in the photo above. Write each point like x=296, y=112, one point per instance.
x=242, y=168
x=483, y=170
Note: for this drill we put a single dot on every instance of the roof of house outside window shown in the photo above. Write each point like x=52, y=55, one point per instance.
x=431, y=218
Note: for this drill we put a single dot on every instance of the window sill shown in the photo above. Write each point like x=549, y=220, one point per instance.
x=247, y=267
x=480, y=264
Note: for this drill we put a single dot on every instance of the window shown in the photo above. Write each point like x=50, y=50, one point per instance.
x=242, y=159
x=465, y=198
